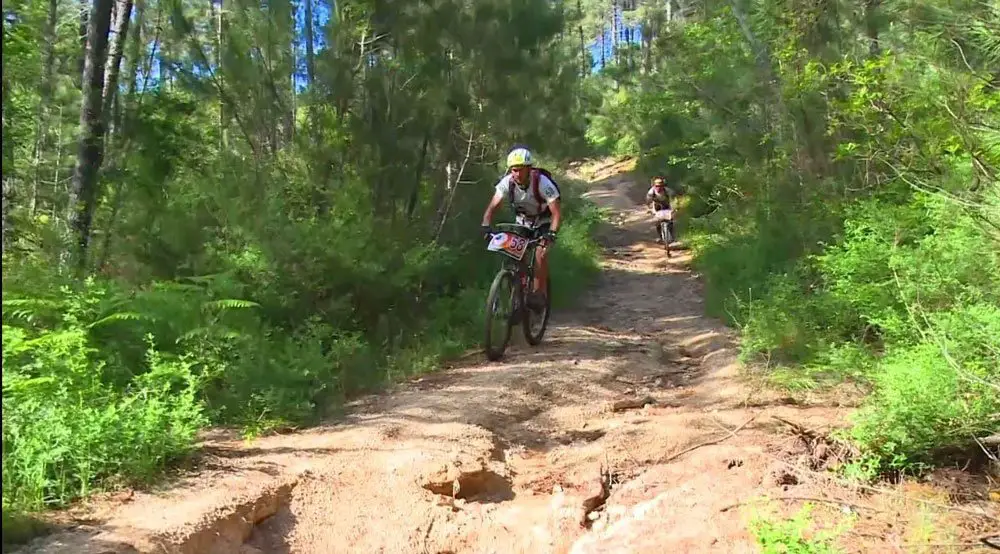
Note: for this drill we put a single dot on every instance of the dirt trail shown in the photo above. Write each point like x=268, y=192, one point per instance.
x=580, y=445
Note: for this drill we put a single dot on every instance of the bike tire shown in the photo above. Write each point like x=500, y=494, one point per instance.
x=668, y=238
x=495, y=351
x=665, y=236
x=535, y=340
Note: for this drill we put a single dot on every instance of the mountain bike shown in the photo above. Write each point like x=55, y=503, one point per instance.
x=663, y=220
x=510, y=287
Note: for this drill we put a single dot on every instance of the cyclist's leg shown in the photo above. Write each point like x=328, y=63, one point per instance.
x=541, y=266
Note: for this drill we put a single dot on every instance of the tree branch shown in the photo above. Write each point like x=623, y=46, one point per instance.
x=453, y=183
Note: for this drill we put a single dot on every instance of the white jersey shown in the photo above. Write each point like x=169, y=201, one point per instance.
x=663, y=199
x=524, y=199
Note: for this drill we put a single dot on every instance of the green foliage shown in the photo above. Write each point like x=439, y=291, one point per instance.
x=65, y=431
x=938, y=392
x=273, y=230
x=105, y=382
x=844, y=206
x=792, y=536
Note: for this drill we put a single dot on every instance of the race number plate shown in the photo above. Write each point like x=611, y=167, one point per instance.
x=665, y=215
x=510, y=244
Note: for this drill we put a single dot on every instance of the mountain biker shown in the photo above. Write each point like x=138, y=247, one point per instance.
x=659, y=197
x=542, y=217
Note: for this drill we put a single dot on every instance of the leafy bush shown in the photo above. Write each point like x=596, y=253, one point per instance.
x=908, y=304
x=845, y=202
x=936, y=394
x=65, y=431
x=105, y=382
x=792, y=535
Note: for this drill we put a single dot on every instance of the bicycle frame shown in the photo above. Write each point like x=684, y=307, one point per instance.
x=517, y=267
x=664, y=218
x=524, y=268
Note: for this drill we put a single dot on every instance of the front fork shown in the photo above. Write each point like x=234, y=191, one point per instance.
x=525, y=274
x=665, y=229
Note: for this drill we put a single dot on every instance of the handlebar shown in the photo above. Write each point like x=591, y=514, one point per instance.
x=517, y=229
x=514, y=228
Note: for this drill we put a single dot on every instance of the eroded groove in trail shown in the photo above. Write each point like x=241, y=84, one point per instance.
x=627, y=426
x=482, y=485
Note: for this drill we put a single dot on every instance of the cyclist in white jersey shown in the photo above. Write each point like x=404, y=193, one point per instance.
x=659, y=197
x=535, y=199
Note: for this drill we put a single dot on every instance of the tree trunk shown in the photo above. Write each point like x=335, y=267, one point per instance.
x=44, y=100
x=583, y=46
x=293, y=97
x=8, y=158
x=219, y=45
x=83, y=192
x=871, y=25
x=136, y=48
x=310, y=58
x=614, y=31
x=411, y=204
x=291, y=58
x=123, y=14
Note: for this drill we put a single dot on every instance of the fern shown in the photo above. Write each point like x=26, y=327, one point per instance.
x=121, y=316
x=228, y=304
x=30, y=309
x=991, y=140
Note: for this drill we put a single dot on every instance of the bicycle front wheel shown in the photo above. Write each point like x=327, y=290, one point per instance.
x=666, y=236
x=500, y=311
x=535, y=323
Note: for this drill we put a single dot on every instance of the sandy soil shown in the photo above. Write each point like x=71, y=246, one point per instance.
x=628, y=430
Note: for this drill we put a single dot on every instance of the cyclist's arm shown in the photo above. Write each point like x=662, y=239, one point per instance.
x=490, y=208
x=550, y=194
x=556, y=207
x=498, y=195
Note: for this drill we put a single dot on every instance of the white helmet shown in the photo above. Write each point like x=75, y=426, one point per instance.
x=519, y=156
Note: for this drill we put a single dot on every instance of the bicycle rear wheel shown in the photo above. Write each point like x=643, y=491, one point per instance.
x=499, y=321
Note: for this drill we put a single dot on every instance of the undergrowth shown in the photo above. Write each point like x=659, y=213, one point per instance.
x=794, y=535
x=909, y=307
x=107, y=383
x=845, y=204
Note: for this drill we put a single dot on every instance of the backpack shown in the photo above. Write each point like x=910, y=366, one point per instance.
x=667, y=191
x=536, y=172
